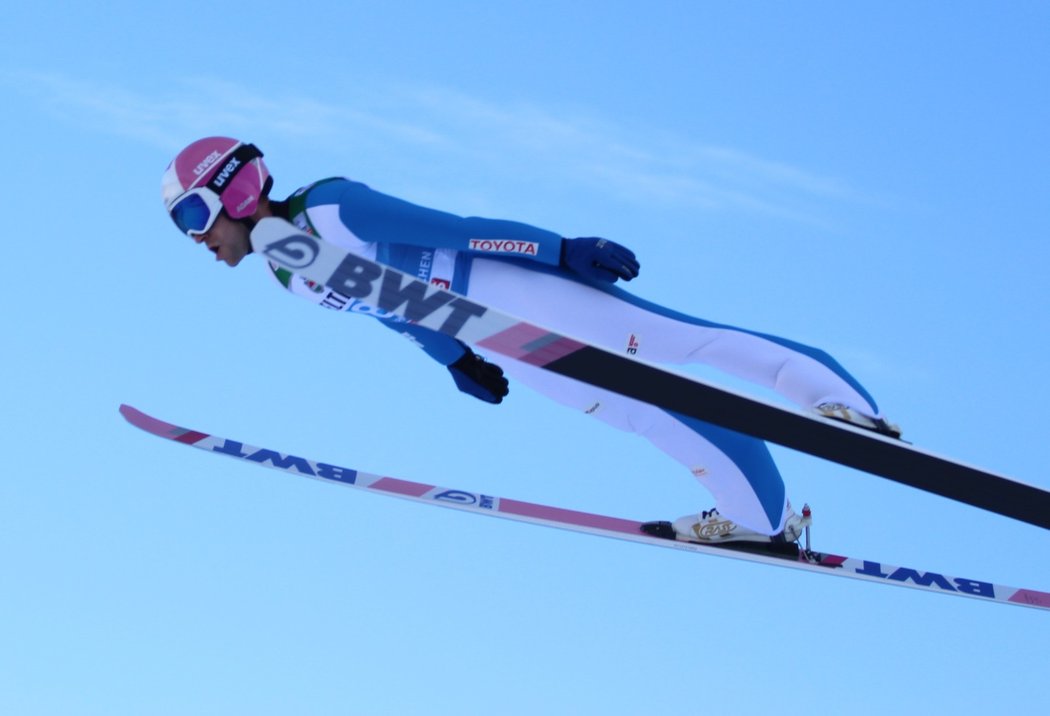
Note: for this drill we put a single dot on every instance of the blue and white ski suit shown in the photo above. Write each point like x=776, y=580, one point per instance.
x=515, y=268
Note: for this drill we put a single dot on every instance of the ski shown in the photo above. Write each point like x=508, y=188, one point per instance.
x=349, y=275
x=624, y=529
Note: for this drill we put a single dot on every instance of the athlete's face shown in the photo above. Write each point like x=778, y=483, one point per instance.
x=227, y=239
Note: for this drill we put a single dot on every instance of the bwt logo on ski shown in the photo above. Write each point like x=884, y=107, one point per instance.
x=357, y=277
x=503, y=246
x=287, y=462
x=928, y=579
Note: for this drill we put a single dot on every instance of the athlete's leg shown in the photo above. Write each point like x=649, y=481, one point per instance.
x=737, y=469
x=620, y=322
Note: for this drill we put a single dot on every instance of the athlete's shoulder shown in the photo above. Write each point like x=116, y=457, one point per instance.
x=332, y=190
x=322, y=191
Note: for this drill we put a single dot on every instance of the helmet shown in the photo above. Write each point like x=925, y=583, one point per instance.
x=211, y=175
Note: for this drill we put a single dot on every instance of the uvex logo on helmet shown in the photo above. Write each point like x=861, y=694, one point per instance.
x=227, y=171
x=206, y=163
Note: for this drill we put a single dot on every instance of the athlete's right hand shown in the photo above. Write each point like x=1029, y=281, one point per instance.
x=599, y=259
x=476, y=376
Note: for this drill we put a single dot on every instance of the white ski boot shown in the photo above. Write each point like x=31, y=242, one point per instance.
x=709, y=527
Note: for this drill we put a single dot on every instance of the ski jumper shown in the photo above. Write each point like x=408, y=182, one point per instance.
x=514, y=267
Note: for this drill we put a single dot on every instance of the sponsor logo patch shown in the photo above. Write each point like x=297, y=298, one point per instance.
x=311, y=285
x=713, y=529
x=466, y=498
x=504, y=246
x=633, y=344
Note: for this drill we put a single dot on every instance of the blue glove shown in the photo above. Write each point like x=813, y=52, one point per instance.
x=599, y=259
x=475, y=376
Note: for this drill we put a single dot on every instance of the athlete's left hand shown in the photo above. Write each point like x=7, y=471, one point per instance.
x=599, y=259
x=476, y=376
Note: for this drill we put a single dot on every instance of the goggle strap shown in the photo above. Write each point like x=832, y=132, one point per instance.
x=234, y=164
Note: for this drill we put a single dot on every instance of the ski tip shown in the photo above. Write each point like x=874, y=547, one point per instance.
x=160, y=428
x=138, y=418
x=135, y=416
x=132, y=415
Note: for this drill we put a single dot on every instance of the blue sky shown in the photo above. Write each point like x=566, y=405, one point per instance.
x=870, y=178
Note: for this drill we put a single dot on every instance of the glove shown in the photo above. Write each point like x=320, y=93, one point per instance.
x=599, y=259
x=475, y=376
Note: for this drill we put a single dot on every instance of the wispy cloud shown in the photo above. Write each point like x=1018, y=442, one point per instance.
x=194, y=106
x=650, y=166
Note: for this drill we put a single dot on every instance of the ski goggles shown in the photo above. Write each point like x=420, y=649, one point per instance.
x=195, y=211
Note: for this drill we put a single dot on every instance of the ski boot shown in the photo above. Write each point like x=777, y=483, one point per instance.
x=711, y=528
x=846, y=414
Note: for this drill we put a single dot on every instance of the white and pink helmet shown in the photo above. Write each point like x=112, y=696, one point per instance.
x=212, y=175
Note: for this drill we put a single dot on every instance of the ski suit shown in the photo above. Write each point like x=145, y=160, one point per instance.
x=514, y=267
